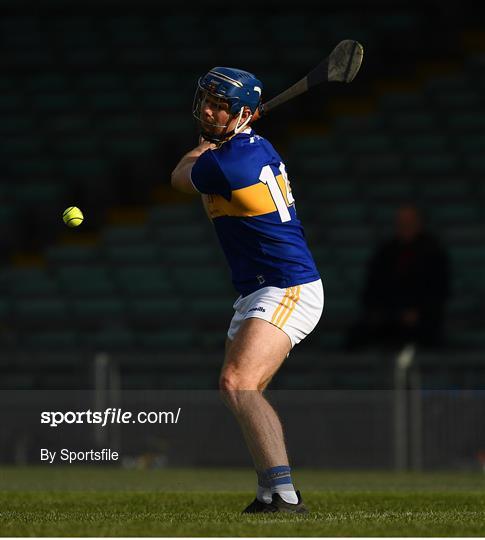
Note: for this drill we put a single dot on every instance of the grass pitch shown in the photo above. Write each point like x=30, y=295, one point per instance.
x=55, y=501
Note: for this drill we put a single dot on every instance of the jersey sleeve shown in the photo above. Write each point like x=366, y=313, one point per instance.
x=208, y=177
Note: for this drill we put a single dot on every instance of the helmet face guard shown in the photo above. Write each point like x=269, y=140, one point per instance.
x=210, y=131
x=229, y=88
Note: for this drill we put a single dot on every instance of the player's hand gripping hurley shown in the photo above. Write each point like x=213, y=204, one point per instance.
x=342, y=65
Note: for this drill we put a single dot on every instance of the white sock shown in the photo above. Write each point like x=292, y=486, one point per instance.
x=286, y=492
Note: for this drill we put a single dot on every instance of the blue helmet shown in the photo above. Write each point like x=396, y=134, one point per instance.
x=234, y=86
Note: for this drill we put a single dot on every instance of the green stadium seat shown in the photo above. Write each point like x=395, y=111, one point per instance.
x=123, y=24
x=42, y=309
x=446, y=84
x=86, y=167
x=457, y=189
x=131, y=145
x=475, y=163
x=139, y=280
x=459, y=213
x=213, y=340
x=174, y=214
x=166, y=339
x=345, y=212
x=87, y=55
x=32, y=282
x=39, y=192
x=309, y=144
x=413, y=121
x=51, y=339
x=188, y=234
x=329, y=189
x=196, y=254
x=395, y=101
x=468, y=255
x=140, y=56
x=324, y=164
x=181, y=381
x=350, y=235
x=5, y=308
x=426, y=143
x=33, y=167
x=332, y=276
x=360, y=124
x=32, y=58
x=469, y=143
x=96, y=81
x=63, y=254
x=330, y=340
x=434, y=164
x=56, y=101
x=473, y=277
x=21, y=146
x=467, y=339
x=357, y=255
x=396, y=21
x=300, y=54
x=71, y=123
x=163, y=100
x=154, y=81
x=84, y=279
x=388, y=163
x=125, y=234
x=465, y=99
x=167, y=306
x=18, y=381
x=109, y=339
x=390, y=189
x=16, y=123
x=10, y=102
x=47, y=82
x=322, y=252
x=378, y=143
x=78, y=146
x=466, y=120
x=210, y=305
x=134, y=253
x=199, y=280
x=98, y=308
x=104, y=101
x=465, y=235
x=119, y=122
x=463, y=306
x=382, y=216
x=355, y=275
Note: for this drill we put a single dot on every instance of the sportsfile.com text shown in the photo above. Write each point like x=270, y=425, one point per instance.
x=109, y=416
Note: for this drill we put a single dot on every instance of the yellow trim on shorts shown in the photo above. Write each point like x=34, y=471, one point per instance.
x=294, y=299
x=280, y=305
x=286, y=306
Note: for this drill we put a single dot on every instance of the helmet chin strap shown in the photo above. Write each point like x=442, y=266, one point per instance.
x=229, y=135
x=238, y=127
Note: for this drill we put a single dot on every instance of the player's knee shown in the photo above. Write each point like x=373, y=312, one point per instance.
x=234, y=388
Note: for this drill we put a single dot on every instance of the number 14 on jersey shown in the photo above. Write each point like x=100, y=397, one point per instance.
x=280, y=191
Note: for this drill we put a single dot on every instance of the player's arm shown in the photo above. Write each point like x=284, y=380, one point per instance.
x=181, y=175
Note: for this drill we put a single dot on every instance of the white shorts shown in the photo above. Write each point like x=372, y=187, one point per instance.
x=296, y=310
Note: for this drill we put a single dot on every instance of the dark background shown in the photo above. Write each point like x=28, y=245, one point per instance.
x=95, y=102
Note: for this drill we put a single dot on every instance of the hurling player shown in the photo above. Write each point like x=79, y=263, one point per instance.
x=247, y=195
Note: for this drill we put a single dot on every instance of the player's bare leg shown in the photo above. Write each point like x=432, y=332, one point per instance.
x=257, y=351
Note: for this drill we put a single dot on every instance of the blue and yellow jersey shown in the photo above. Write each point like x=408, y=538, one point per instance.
x=253, y=211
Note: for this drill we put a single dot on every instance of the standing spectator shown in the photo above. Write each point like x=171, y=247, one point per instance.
x=406, y=289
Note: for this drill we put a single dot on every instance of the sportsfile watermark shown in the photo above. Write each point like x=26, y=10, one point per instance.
x=109, y=416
